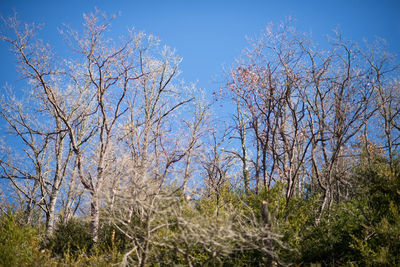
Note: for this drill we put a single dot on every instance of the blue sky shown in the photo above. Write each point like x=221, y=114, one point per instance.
x=210, y=34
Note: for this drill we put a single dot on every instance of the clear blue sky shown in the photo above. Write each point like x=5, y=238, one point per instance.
x=210, y=34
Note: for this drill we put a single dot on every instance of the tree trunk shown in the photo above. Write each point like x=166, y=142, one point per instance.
x=50, y=216
x=95, y=216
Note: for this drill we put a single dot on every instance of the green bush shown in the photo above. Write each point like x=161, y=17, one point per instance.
x=72, y=244
x=19, y=243
x=329, y=241
x=364, y=230
x=96, y=257
x=379, y=200
x=72, y=237
x=111, y=238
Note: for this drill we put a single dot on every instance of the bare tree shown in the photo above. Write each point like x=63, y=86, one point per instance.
x=107, y=99
x=39, y=172
x=217, y=166
x=338, y=103
x=268, y=85
x=382, y=77
x=241, y=122
x=307, y=107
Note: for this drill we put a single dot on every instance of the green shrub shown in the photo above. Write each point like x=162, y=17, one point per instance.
x=72, y=244
x=19, y=243
x=72, y=237
x=96, y=257
x=379, y=199
x=111, y=238
x=329, y=241
x=365, y=230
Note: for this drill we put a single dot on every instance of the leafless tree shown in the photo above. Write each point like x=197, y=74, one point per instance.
x=306, y=108
x=269, y=87
x=109, y=98
x=382, y=74
x=217, y=165
x=338, y=103
x=38, y=173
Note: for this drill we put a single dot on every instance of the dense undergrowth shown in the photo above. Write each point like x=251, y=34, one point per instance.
x=361, y=231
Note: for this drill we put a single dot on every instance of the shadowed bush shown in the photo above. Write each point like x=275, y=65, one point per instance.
x=72, y=236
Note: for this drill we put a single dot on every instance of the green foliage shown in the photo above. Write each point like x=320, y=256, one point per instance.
x=328, y=241
x=19, y=243
x=379, y=200
x=110, y=238
x=96, y=257
x=364, y=230
x=71, y=243
x=72, y=236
